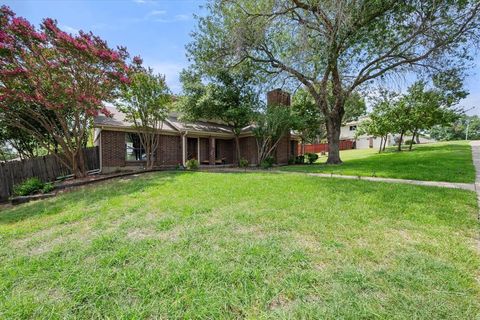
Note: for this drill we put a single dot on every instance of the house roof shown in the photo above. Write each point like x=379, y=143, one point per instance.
x=172, y=124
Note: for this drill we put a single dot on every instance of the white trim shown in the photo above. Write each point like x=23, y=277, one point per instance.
x=184, y=151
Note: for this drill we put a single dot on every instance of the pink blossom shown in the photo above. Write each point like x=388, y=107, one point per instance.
x=92, y=112
x=124, y=80
x=106, y=112
x=137, y=60
x=13, y=72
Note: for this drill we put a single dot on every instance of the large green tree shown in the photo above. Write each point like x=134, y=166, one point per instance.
x=333, y=47
x=226, y=96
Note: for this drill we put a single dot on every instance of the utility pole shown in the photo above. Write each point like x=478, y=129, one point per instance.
x=466, y=133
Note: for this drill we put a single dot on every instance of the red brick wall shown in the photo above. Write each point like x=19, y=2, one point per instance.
x=204, y=149
x=283, y=150
x=169, y=152
x=226, y=149
x=113, y=148
x=278, y=97
x=248, y=150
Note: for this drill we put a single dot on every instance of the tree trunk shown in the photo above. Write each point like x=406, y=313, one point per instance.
x=417, y=138
x=333, y=137
x=237, y=148
x=385, y=142
x=81, y=163
x=413, y=139
x=381, y=145
x=400, y=142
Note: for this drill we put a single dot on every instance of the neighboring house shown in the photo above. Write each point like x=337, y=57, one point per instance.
x=349, y=130
x=209, y=142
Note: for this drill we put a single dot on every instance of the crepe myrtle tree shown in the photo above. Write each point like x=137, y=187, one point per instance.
x=59, y=79
x=334, y=47
x=145, y=101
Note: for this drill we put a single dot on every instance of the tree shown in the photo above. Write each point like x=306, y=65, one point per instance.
x=310, y=123
x=145, y=102
x=228, y=96
x=270, y=127
x=378, y=123
x=465, y=127
x=335, y=47
x=50, y=72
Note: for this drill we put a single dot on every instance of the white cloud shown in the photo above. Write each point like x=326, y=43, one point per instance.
x=156, y=13
x=145, y=1
x=68, y=29
x=176, y=18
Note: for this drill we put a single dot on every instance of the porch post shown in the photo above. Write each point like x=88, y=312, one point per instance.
x=198, y=150
x=184, y=151
x=211, y=155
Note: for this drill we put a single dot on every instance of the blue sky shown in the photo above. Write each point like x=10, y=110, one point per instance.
x=157, y=30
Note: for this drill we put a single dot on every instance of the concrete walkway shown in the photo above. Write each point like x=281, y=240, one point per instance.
x=476, y=162
x=442, y=184
x=452, y=185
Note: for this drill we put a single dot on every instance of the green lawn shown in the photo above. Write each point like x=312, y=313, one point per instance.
x=445, y=161
x=242, y=245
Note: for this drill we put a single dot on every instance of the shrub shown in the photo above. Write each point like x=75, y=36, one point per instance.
x=311, y=157
x=291, y=160
x=32, y=186
x=192, y=164
x=48, y=187
x=243, y=163
x=267, y=163
x=300, y=159
x=409, y=142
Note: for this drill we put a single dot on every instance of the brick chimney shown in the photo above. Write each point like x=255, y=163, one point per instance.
x=278, y=97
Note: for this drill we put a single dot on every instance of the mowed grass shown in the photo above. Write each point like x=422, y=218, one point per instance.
x=242, y=245
x=444, y=161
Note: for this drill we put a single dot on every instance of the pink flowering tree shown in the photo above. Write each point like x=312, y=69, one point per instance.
x=58, y=79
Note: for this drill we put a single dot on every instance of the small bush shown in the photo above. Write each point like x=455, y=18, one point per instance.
x=243, y=163
x=311, y=157
x=48, y=187
x=409, y=142
x=31, y=186
x=300, y=159
x=192, y=164
x=267, y=163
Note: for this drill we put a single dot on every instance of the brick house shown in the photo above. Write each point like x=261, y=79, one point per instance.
x=211, y=143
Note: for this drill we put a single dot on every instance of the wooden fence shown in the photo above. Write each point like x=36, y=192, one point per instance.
x=46, y=168
x=323, y=147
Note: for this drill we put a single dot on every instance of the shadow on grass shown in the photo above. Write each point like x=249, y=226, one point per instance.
x=89, y=194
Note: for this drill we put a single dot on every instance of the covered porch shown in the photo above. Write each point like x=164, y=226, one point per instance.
x=208, y=151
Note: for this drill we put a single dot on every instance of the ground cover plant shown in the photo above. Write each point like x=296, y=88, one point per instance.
x=444, y=161
x=242, y=245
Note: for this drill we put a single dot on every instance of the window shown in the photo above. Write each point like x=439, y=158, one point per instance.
x=134, y=150
x=353, y=128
